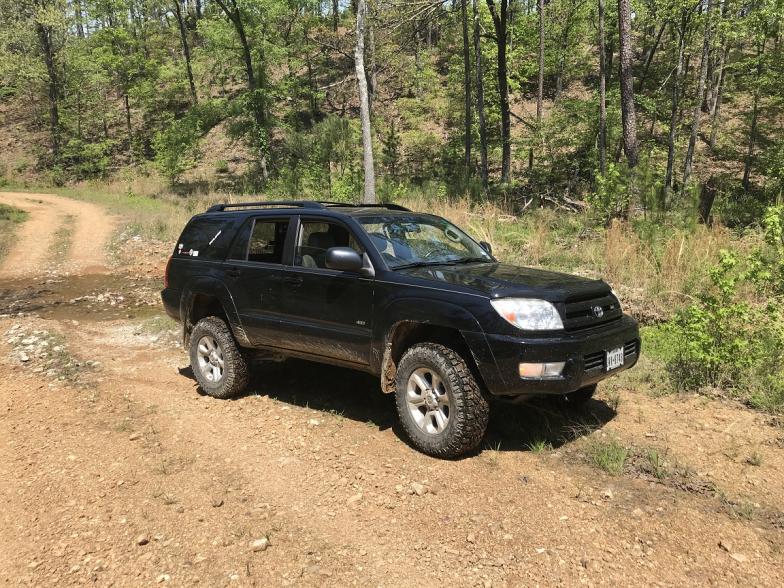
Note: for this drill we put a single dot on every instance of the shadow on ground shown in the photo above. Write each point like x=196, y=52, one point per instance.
x=537, y=424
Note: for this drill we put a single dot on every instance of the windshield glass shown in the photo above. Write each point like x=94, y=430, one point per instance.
x=405, y=240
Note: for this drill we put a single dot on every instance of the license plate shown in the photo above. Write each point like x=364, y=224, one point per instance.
x=614, y=358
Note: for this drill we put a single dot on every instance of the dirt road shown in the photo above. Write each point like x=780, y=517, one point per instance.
x=61, y=235
x=114, y=469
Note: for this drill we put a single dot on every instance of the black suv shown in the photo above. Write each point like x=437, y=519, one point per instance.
x=405, y=296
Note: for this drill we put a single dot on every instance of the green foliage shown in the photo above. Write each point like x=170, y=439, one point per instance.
x=611, y=195
x=731, y=340
x=609, y=455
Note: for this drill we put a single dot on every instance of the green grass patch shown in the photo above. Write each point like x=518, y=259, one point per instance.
x=608, y=455
x=10, y=219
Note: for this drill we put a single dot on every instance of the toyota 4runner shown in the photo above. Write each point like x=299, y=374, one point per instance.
x=405, y=296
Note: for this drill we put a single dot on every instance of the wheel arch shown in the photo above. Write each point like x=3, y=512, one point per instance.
x=209, y=297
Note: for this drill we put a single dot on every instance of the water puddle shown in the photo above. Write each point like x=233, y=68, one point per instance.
x=98, y=297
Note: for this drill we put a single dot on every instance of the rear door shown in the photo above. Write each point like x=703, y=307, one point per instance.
x=326, y=312
x=254, y=270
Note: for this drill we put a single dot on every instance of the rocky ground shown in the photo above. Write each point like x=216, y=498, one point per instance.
x=116, y=470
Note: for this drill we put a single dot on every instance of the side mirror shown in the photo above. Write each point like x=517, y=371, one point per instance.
x=343, y=259
x=486, y=246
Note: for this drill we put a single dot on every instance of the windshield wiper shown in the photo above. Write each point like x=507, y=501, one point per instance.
x=418, y=264
x=468, y=260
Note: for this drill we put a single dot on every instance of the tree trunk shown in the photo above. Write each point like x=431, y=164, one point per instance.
x=675, y=103
x=186, y=50
x=466, y=87
x=754, y=117
x=499, y=23
x=649, y=58
x=335, y=15
x=197, y=4
x=480, y=97
x=79, y=18
x=369, y=196
x=695, y=125
x=372, y=79
x=627, y=82
x=707, y=198
x=45, y=39
x=540, y=81
x=716, y=105
x=602, y=94
x=128, y=126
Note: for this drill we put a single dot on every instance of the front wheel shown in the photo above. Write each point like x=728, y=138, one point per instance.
x=216, y=361
x=439, y=402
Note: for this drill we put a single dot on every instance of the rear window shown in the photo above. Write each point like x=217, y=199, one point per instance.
x=206, y=238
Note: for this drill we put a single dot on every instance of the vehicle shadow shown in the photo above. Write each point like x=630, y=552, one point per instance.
x=538, y=424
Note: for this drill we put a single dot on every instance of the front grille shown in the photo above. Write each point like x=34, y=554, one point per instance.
x=594, y=360
x=591, y=312
x=630, y=348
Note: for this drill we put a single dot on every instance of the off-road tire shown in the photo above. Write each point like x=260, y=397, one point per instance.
x=235, y=366
x=469, y=410
x=579, y=397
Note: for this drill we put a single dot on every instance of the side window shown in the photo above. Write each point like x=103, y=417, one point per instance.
x=316, y=237
x=268, y=240
x=206, y=238
x=240, y=248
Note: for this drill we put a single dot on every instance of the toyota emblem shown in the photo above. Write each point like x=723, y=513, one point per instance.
x=598, y=311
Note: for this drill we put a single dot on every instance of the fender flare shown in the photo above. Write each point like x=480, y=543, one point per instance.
x=209, y=286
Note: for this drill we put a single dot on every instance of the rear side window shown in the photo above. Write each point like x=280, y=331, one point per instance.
x=268, y=240
x=206, y=238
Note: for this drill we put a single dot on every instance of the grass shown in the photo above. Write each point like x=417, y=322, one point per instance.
x=608, y=455
x=539, y=446
x=10, y=219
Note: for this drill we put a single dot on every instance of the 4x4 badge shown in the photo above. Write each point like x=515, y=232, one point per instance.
x=598, y=311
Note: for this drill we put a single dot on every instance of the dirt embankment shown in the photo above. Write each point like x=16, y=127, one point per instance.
x=114, y=469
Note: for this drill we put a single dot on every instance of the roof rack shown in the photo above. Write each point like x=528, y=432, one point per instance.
x=320, y=204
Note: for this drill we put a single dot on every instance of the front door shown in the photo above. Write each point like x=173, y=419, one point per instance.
x=326, y=312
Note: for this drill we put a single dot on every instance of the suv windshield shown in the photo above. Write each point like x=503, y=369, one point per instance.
x=408, y=240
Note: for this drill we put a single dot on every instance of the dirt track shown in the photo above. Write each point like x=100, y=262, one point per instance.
x=97, y=458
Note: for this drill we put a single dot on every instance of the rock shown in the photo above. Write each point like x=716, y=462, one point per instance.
x=471, y=538
x=314, y=422
x=142, y=540
x=418, y=489
x=260, y=544
x=739, y=557
x=23, y=357
x=354, y=500
x=637, y=512
x=607, y=494
x=163, y=578
x=725, y=545
x=217, y=502
x=134, y=436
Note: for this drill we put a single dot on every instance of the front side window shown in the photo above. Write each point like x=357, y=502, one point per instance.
x=406, y=240
x=268, y=240
x=316, y=238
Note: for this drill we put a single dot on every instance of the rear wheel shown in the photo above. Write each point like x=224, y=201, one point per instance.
x=216, y=360
x=439, y=402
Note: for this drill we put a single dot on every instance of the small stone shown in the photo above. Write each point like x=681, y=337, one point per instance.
x=217, y=502
x=725, y=545
x=471, y=538
x=163, y=578
x=23, y=357
x=739, y=557
x=260, y=544
x=419, y=489
x=314, y=422
x=134, y=436
x=637, y=512
x=142, y=540
x=354, y=499
x=607, y=494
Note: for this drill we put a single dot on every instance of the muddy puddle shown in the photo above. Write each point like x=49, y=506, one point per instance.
x=98, y=297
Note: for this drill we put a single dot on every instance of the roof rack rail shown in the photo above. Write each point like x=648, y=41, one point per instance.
x=320, y=204
x=289, y=203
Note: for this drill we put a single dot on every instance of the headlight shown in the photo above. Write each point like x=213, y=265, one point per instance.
x=614, y=293
x=529, y=314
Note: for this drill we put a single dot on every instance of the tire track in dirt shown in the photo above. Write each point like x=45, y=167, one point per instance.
x=30, y=254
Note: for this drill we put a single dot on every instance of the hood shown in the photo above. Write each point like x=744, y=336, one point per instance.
x=499, y=280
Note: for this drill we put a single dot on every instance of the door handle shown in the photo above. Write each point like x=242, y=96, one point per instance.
x=233, y=272
x=293, y=281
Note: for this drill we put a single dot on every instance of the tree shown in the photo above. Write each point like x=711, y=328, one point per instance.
x=540, y=79
x=602, y=93
x=675, y=94
x=186, y=50
x=369, y=195
x=626, y=76
x=480, y=96
x=466, y=85
x=499, y=15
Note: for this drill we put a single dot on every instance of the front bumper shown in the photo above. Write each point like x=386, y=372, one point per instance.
x=584, y=353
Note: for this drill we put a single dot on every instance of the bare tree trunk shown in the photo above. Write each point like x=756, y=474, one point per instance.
x=186, y=50
x=480, y=97
x=707, y=198
x=628, y=115
x=466, y=86
x=79, y=18
x=369, y=196
x=197, y=4
x=44, y=33
x=499, y=23
x=540, y=82
x=695, y=125
x=335, y=15
x=602, y=94
x=754, y=117
x=716, y=105
x=675, y=102
x=372, y=79
x=649, y=58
